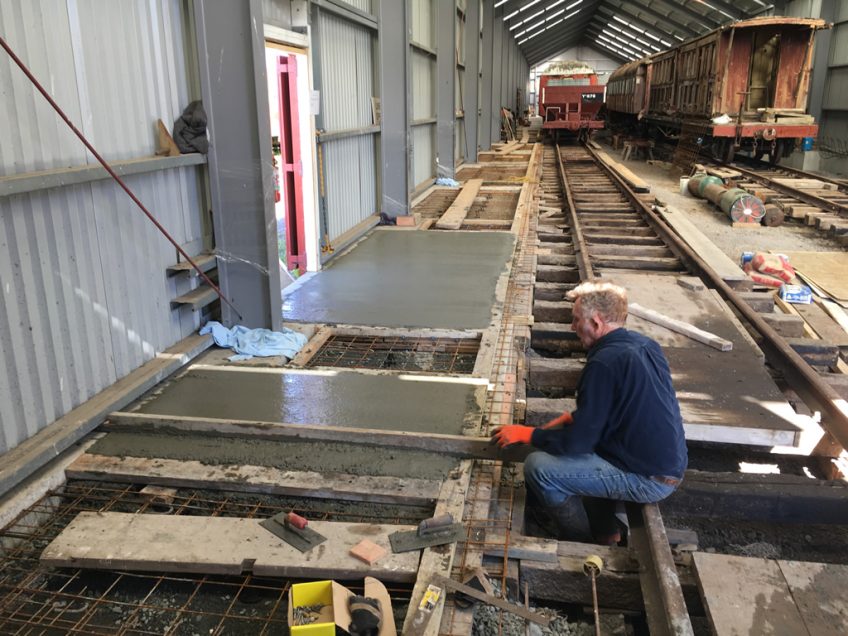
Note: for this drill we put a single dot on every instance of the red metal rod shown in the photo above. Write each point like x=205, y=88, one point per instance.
x=112, y=173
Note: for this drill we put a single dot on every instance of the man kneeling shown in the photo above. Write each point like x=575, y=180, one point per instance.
x=624, y=442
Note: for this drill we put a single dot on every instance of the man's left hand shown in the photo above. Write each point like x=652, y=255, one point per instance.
x=512, y=434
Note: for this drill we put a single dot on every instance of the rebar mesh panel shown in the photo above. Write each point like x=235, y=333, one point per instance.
x=433, y=355
x=37, y=600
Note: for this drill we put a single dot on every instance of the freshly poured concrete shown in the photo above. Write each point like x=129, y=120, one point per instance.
x=345, y=398
x=324, y=457
x=407, y=279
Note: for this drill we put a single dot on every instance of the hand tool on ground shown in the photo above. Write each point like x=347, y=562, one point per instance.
x=437, y=530
x=489, y=599
x=294, y=530
x=593, y=566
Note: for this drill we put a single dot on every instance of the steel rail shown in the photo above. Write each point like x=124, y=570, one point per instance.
x=662, y=594
x=805, y=381
x=755, y=164
x=665, y=606
x=581, y=252
x=806, y=197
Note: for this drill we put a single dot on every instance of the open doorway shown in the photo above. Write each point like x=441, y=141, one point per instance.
x=291, y=131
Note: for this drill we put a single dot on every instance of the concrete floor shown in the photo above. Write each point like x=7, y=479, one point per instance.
x=407, y=279
x=344, y=398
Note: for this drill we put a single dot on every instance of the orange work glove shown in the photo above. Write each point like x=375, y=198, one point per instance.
x=563, y=420
x=512, y=434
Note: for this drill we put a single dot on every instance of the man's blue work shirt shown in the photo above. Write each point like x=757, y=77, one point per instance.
x=627, y=411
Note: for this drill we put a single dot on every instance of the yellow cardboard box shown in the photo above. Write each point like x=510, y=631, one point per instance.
x=335, y=611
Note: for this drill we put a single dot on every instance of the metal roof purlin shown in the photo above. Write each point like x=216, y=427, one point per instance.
x=560, y=39
x=632, y=7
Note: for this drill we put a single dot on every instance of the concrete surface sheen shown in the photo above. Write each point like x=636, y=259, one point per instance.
x=384, y=402
x=323, y=457
x=408, y=279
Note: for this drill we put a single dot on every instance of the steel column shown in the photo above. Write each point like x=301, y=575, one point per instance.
x=472, y=78
x=445, y=87
x=234, y=89
x=499, y=35
x=395, y=148
x=486, y=77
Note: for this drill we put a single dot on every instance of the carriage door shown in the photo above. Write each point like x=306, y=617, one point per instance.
x=291, y=165
x=765, y=62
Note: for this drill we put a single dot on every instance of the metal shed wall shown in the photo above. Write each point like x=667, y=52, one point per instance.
x=423, y=87
x=347, y=69
x=82, y=272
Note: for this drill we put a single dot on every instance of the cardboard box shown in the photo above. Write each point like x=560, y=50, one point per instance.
x=335, y=612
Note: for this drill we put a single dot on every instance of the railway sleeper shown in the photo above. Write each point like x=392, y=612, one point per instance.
x=560, y=311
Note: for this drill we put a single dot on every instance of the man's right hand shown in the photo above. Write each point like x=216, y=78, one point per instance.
x=512, y=434
x=563, y=420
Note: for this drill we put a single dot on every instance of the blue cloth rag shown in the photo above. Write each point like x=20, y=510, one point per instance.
x=255, y=342
x=447, y=181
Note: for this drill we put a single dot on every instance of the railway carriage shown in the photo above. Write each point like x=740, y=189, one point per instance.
x=743, y=85
x=571, y=103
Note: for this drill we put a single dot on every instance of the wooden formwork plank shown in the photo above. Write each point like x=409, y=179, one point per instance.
x=248, y=478
x=221, y=545
x=454, y=216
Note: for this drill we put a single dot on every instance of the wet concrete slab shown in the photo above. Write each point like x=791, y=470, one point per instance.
x=324, y=457
x=407, y=279
x=421, y=404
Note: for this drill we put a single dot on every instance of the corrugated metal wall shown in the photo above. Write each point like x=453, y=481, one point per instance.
x=423, y=69
x=82, y=272
x=347, y=60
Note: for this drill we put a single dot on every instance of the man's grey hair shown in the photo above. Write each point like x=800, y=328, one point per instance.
x=608, y=300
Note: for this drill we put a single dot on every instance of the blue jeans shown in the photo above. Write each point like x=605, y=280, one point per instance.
x=552, y=479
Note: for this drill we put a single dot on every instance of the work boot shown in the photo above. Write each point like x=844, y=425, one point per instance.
x=565, y=522
x=607, y=520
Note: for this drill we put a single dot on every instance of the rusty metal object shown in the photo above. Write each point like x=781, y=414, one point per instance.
x=665, y=606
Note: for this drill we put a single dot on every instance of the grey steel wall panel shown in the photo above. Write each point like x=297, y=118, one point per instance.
x=362, y=5
x=839, y=48
x=277, y=13
x=421, y=20
x=423, y=88
x=82, y=272
x=351, y=187
x=424, y=155
x=347, y=86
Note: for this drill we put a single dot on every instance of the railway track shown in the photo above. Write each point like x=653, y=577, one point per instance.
x=810, y=199
x=604, y=228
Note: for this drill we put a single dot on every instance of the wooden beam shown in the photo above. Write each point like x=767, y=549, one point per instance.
x=247, y=478
x=60, y=177
x=29, y=456
x=691, y=331
x=221, y=545
x=457, y=445
x=454, y=216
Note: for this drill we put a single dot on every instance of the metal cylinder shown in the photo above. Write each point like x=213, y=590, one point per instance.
x=701, y=181
x=742, y=206
x=713, y=192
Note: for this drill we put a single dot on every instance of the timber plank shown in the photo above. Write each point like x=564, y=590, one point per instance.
x=691, y=331
x=459, y=445
x=247, y=478
x=221, y=545
x=743, y=595
x=454, y=216
x=819, y=593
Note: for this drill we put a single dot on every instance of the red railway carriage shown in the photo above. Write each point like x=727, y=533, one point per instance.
x=571, y=103
x=743, y=85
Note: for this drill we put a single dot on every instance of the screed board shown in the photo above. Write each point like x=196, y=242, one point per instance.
x=221, y=545
x=725, y=396
x=407, y=279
